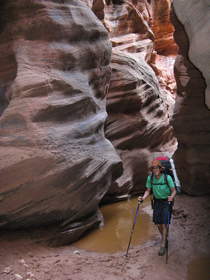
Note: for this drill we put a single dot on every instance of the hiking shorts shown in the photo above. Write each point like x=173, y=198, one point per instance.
x=162, y=212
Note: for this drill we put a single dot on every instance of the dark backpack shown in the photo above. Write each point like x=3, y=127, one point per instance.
x=167, y=169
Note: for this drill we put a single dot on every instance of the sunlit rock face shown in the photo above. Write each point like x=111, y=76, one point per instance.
x=192, y=118
x=55, y=162
x=163, y=28
x=144, y=28
x=140, y=99
x=165, y=48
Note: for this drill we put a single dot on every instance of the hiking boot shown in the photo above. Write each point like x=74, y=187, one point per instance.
x=162, y=251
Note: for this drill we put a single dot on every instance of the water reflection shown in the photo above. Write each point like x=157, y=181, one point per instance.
x=114, y=236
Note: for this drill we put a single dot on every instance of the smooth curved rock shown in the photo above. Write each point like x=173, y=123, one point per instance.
x=138, y=123
x=191, y=118
x=165, y=48
x=55, y=163
x=194, y=15
x=140, y=102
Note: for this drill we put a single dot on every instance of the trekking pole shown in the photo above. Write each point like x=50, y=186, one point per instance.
x=169, y=203
x=167, y=249
x=133, y=226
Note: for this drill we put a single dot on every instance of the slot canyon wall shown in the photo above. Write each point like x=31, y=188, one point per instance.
x=55, y=164
x=62, y=70
x=192, y=115
x=142, y=88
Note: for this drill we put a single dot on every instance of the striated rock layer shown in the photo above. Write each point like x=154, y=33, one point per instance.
x=137, y=124
x=139, y=105
x=55, y=162
x=192, y=118
x=194, y=15
x=165, y=48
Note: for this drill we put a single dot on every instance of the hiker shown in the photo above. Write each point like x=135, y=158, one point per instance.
x=163, y=189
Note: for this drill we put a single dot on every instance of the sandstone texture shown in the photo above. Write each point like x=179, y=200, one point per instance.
x=141, y=97
x=137, y=124
x=165, y=48
x=191, y=117
x=194, y=15
x=64, y=66
x=55, y=163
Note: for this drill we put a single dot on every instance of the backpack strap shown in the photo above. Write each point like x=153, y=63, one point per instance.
x=165, y=181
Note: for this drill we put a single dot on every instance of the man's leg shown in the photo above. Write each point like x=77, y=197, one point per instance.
x=164, y=228
x=160, y=228
x=165, y=235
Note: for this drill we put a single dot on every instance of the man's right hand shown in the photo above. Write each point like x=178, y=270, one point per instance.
x=140, y=199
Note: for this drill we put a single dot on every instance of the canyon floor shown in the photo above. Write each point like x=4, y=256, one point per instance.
x=24, y=254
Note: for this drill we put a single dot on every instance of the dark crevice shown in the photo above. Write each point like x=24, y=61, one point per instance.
x=3, y=18
x=115, y=2
x=3, y=100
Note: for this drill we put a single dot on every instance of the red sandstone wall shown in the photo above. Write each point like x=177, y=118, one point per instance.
x=191, y=119
x=142, y=89
x=55, y=163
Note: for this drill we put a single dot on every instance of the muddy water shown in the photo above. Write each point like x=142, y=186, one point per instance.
x=199, y=268
x=118, y=219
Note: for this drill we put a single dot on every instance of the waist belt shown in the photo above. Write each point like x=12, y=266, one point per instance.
x=161, y=199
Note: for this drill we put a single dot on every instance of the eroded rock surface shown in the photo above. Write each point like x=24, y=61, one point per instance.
x=194, y=15
x=192, y=118
x=165, y=49
x=138, y=124
x=140, y=99
x=55, y=162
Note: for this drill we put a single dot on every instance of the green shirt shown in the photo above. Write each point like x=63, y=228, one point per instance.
x=159, y=187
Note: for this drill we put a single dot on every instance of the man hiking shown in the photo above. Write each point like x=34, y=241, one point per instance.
x=163, y=189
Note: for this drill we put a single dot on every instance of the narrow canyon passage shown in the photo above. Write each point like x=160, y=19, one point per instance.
x=90, y=91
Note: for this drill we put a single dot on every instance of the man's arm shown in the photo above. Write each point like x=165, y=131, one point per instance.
x=146, y=194
x=172, y=188
x=173, y=193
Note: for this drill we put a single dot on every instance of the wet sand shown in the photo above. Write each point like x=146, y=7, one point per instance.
x=24, y=256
